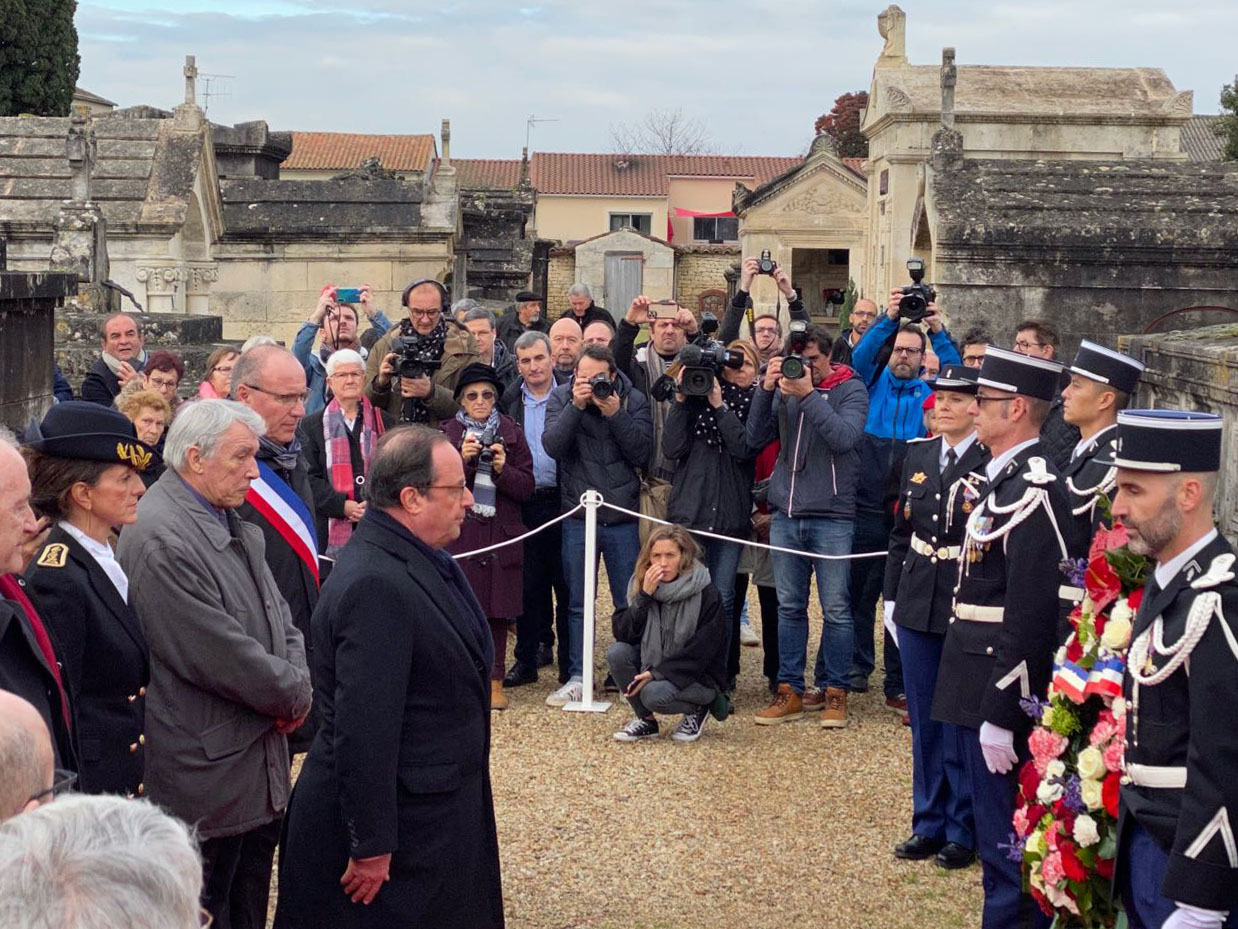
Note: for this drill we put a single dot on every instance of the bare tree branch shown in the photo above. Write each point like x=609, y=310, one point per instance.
x=662, y=132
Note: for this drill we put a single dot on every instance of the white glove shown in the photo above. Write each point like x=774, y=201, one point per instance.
x=1192, y=917
x=888, y=620
x=997, y=746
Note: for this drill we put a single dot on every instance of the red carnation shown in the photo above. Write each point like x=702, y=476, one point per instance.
x=1102, y=583
x=1074, y=649
x=1065, y=816
x=1035, y=814
x=1042, y=902
x=1135, y=598
x=1071, y=865
x=1104, y=867
x=1109, y=793
x=1029, y=781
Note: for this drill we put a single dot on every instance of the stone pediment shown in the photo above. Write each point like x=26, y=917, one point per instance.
x=821, y=185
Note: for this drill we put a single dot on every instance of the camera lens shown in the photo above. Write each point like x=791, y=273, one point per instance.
x=697, y=382
x=793, y=367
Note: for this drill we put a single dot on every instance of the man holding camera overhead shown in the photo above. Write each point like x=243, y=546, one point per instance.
x=817, y=411
x=412, y=370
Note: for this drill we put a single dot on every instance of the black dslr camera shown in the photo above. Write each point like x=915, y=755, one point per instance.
x=766, y=264
x=408, y=347
x=702, y=363
x=603, y=387
x=916, y=297
x=797, y=340
x=487, y=438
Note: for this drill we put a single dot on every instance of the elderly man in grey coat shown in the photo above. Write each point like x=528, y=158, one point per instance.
x=228, y=675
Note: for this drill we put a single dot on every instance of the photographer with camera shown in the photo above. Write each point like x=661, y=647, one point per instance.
x=766, y=336
x=336, y=318
x=498, y=469
x=599, y=432
x=412, y=370
x=706, y=435
x=816, y=410
x=896, y=396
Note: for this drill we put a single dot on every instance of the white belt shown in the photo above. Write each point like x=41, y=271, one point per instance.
x=979, y=614
x=1156, y=776
x=1073, y=594
x=944, y=552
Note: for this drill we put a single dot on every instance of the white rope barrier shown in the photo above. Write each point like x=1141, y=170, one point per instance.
x=520, y=538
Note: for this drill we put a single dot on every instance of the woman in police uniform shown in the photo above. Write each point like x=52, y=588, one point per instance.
x=85, y=464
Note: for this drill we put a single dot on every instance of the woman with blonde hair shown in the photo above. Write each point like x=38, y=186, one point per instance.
x=669, y=654
x=150, y=413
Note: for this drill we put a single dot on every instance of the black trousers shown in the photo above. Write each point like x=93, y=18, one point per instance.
x=872, y=534
x=236, y=877
x=768, y=598
x=545, y=586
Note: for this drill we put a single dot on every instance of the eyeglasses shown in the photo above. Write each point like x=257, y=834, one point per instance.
x=281, y=399
x=167, y=385
x=62, y=781
x=902, y=350
x=349, y=375
x=424, y=314
x=479, y=395
x=980, y=399
x=454, y=489
x=1024, y=344
x=223, y=369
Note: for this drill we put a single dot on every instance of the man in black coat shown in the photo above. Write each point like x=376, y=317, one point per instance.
x=525, y=315
x=942, y=479
x=392, y=820
x=1003, y=630
x=581, y=307
x=123, y=359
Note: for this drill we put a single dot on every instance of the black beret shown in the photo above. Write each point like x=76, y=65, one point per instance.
x=527, y=296
x=89, y=432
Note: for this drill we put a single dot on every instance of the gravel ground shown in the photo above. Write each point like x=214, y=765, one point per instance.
x=751, y=826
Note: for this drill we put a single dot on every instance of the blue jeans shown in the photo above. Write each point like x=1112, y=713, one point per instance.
x=620, y=546
x=792, y=576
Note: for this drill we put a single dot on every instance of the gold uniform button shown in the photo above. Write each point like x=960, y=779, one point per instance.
x=989, y=650
x=933, y=559
x=142, y=739
x=141, y=789
x=937, y=496
x=141, y=691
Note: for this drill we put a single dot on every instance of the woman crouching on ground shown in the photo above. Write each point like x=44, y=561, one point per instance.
x=669, y=654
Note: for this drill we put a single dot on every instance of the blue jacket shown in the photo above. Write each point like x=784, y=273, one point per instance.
x=895, y=405
x=315, y=367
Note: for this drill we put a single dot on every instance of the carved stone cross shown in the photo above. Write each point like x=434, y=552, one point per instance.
x=949, y=77
x=191, y=78
x=81, y=150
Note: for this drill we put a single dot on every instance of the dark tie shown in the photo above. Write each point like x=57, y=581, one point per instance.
x=952, y=458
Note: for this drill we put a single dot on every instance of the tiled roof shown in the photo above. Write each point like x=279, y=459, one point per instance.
x=344, y=151
x=1199, y=139
x=487, y=172
x=855, y=164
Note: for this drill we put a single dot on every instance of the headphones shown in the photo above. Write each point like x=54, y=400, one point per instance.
x=444, y=298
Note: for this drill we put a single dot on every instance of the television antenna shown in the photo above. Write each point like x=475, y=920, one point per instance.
x=533, y=120
x=208, y=93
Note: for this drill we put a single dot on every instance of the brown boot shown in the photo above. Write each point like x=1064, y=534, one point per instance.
x=787, y=706
x=498, y=699
x=834, y=716
x=814, y=700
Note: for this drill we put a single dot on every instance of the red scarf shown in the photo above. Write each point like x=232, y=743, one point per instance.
x=11, y=590
x=339, y=461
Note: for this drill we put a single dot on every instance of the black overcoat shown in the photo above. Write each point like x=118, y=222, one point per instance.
x=105, y=663
x=400, y=763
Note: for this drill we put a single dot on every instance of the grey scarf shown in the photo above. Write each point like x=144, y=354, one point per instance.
x=673, y=615
x=138, y=363
x=655, y=366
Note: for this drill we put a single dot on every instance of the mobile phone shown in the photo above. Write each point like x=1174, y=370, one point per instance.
x=348, y=295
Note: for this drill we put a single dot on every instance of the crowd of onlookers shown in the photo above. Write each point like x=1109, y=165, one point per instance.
x=158, y=598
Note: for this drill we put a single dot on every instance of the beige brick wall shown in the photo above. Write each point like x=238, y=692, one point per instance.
x=561, y=275
x=695, y=274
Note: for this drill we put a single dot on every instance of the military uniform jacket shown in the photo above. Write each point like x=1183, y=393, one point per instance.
x=104, y=660
x=1181, y=690
x=932, y=508
x=1089, y=475
x=1003, y=630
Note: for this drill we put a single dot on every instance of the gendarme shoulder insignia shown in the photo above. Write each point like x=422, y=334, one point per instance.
x=53, y=556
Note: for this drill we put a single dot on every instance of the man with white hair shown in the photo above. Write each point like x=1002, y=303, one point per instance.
x=26, y=757
x=228, y=676
x=581, y=307
x=84, y=862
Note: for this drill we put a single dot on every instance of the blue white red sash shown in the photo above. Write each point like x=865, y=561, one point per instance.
x=282, y=508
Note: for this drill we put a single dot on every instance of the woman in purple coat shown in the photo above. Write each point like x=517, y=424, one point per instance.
x=499, y=468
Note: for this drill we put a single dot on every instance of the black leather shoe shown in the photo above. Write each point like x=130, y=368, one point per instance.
x=520, y=674
x=953, y=856
x=545, y=655
x=917, y=848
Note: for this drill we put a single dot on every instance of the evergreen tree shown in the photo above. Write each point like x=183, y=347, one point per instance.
x=1228, y=128
x=38, y=57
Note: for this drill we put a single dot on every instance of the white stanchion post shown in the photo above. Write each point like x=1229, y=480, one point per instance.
x=591, y=500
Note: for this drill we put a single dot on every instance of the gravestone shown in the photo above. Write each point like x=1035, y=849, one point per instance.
x=28, y=304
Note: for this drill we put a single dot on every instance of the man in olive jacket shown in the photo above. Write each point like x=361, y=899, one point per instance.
x=228, y=677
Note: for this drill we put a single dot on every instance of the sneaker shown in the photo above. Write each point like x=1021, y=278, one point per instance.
x=786, y=707
x=834, y=716
x=638, y=729
x=897, y=703
x=691, y=726
x=571, y=692
x=748, y=637
x=814, y=700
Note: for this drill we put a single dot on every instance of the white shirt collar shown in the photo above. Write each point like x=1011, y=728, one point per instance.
x=1169, y=570
x=959, y=450
x=1090, y=442
x=998, y=464
x=102, y=553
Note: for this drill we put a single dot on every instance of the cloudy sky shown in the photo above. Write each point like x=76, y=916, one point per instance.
x=756, y=73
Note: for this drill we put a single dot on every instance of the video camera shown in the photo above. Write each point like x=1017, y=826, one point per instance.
x=411, y=364
x=700, y=364
x=918, y=295
x=793, y=366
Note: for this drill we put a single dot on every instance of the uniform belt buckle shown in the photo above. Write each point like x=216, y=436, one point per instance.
x=943, y=552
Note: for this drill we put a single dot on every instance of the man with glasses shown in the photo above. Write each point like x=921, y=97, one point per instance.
x=429, y=338
x=26, y=757
x=339, y=324
x=975, y=342
x=896, y=396
x=766, y=328
x=1003, y=630
x=862, y=317
x=1039, y=338
x=271, y=382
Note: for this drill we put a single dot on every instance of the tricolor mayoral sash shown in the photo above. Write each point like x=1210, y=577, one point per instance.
x=282, y=508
